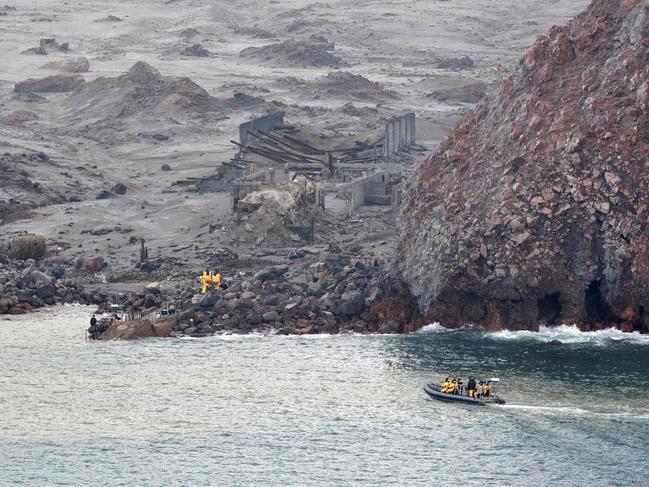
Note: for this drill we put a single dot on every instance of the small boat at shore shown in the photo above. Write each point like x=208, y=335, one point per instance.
x=115, y=324
x=435, y=392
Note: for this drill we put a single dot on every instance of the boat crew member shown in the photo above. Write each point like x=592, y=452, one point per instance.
x=93, y=327
x=485, y=389
x=471, y=386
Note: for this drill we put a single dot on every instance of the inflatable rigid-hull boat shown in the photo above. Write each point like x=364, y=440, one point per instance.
x=435, y=391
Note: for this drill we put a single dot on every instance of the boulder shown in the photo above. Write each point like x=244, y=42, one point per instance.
x=5, y=305
x=119, y=188
x=351, y=304
x=104, y=195
x=209, y=299
x=91, y=264
x=60, y=83
x=389, y=327
x=45, y=291
x=165, y=167
x=40, y=278
x=271, y=316
x=271, y=273
x=195, y=50
x=78, y=65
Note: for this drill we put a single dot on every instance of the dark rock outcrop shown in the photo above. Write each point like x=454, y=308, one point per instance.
x=61, y=83
x=195, y=50
x=535, y=208
x=312, y=52
x=25, y=287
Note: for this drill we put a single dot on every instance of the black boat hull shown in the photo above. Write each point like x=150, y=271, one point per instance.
x=434, y=391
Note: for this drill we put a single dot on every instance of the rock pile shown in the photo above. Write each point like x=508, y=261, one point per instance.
x=342, y=83
x=143, y=90
x=535, y=208
x=312, y=52
x=336, y=300
x=24, y=287
x=60, y=83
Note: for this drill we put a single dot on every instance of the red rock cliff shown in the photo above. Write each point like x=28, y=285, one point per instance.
x=535, y=208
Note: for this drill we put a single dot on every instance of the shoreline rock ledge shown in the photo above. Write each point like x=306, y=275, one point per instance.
x=535, y=209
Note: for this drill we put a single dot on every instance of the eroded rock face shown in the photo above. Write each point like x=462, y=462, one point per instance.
x=535, y=208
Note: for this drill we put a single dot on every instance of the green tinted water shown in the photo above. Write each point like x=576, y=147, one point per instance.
x=341, y=410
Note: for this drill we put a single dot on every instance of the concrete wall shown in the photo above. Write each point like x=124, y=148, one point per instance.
x=399, y=134
x=265, y=123
x=374, y=189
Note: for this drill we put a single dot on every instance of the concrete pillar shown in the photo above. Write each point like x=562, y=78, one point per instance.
x=395, y=138
x=406, y=131
x=386, y=142
x=413, y=130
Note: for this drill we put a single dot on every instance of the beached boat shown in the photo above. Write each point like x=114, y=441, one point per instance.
x=435, y=391
x=115, y=324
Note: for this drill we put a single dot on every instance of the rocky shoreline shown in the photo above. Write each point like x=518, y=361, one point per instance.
x=354, y=298
x=309, y=297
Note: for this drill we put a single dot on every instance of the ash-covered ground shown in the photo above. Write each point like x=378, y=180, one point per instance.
x=87, y=121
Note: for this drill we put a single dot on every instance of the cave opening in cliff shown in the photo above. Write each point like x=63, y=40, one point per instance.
x=596, y=308
x=549, y=308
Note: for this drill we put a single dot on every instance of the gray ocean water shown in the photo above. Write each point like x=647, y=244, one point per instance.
x=321, y=410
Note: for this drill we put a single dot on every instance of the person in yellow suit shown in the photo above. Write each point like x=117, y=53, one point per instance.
x=216, y=281
x=205, y=282
x=208, y=279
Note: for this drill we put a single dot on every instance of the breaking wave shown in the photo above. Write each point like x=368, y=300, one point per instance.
x=570, y=334
x=434, y=328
